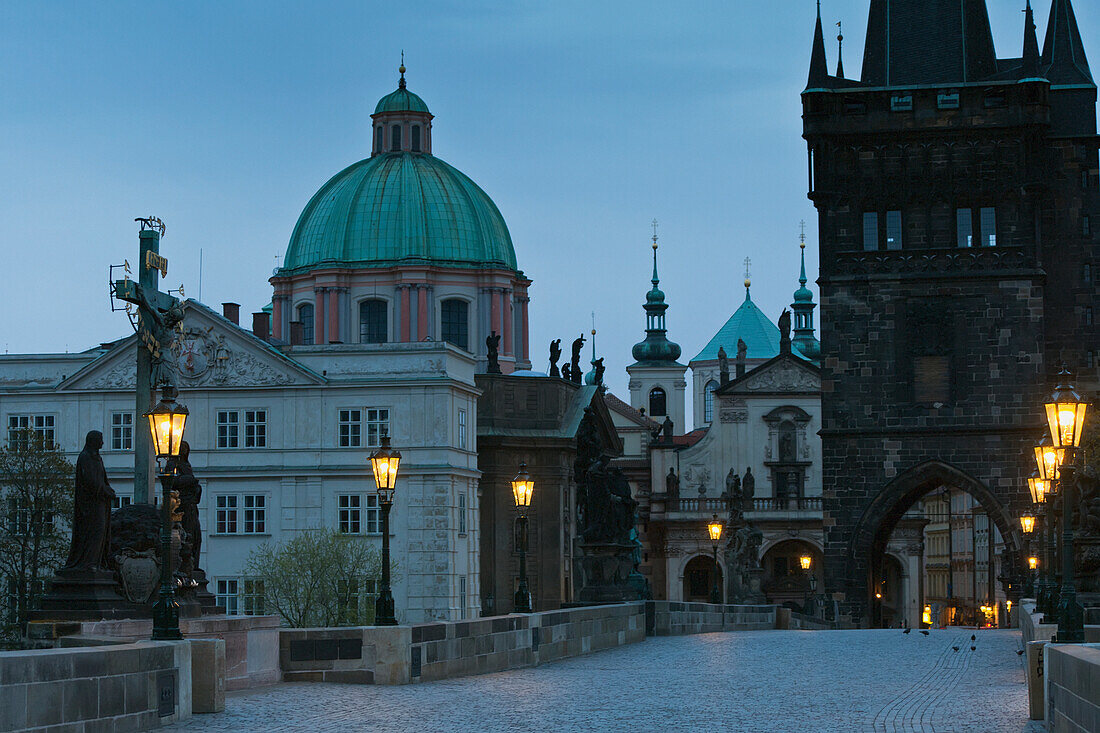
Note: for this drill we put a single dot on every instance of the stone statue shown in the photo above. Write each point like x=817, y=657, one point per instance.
x=91, y=539
x=666, y=429
x=786, y=446
x=742, y=350
x=575, y=361
x=748, y=488
x=189, y=491
x=785, y=332
x=672, y=484
x=565, y=371
x=723, y=366
x=589, y=447
x=735, y=501
x=555, y=354
x=598, y=365
x=492, y=346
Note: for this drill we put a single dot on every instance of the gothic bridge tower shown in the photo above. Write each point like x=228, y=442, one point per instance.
x=957, y=204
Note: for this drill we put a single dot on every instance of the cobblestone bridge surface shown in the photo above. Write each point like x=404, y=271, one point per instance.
x=767, y=681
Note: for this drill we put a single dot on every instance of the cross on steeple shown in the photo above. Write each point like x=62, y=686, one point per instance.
x=655, y=279
x=802, y=233
x=748, y=264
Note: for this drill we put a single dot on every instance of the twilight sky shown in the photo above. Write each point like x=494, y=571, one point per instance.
x=582, y=120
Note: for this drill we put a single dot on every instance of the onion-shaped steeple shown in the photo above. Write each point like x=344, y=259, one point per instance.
x=803, y=308
x=656, y=348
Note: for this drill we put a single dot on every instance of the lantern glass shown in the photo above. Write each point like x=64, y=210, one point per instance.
x=1032, y=562
x=384, y=463
x=1027, y=523
x=1047, y=459
x=166, y=424
x=522, y=488
x=715, y=529
x=1065, y=413
x=805, y=561
x=1039, y=488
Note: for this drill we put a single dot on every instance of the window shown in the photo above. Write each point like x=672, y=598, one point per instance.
x=254, y=597
x=462, y=596
x=351, y=428
x=226, y=596
x=355, y=600
x=901, y=103
x=893, y=230
x=947, y=100
x=870, y=231
x=351, y=513
x=416, y=138
x=708, y=400
x=255, y=428
x=395, y=138
x=657, y=406
x=456, y=329
x=41, y=426
x=462, y=512
x=373, y=326
x=1086, y=226
x=989, y=226
x=462, y=429
x=964, y=225
x=1088, y=315
x=227, y=514
x=122, y=431
x=228, y=429
x=305, y=315
x=374, y=515
x=378, y=424
x=255, y=514
x=120, y=501
x=378, y=138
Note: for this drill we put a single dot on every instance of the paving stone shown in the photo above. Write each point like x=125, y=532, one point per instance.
x=766, y=681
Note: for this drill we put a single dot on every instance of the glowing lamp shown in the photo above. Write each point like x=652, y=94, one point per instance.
x=523, y=486
x=1048, y=458
x=1039, y=488
x=1032, y=562
x=715, y=530
x=1027, y=523
x=926, y=616
x=1065, y=413
x=878, y=595
x=805, y=561
x=166, y=423
x=384, y=463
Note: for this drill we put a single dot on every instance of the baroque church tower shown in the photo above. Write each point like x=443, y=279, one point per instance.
x=656, y=377
x=957, y=200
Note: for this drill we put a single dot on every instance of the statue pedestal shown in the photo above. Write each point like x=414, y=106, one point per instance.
x=604, y=572
x=77, y=595
x=755, y=594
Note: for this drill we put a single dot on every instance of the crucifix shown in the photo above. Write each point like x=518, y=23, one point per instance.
x=157, y=315
x=748, y=263
x=802, y=231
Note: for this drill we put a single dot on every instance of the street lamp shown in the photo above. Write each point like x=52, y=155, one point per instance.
x=1027, y=524
x=384, y=463
x=166, y=423
x=715, y=530
x=1041, y=486
x=1066, y=418
x=523, y=486
x=805, y=561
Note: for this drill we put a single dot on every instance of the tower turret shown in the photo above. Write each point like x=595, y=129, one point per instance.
x=803, y=308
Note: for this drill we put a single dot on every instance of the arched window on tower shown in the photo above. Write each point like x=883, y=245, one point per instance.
x=305, y=315
x=415, y=138
x=395, y=139
x=708, y=400
x=657, y=403
x=455, y=321
x=373, y=322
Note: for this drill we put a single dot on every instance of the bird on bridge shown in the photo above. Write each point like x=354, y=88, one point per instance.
x=924, y=631
x=973, y=648
x=973, y=637
x=906, y=631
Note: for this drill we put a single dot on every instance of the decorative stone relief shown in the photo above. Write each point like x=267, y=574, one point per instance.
x=121, y=376
x=730, y=415
x=784, y=378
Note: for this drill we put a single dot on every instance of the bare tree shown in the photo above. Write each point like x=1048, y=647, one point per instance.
x=319, y=577
x=36, y=503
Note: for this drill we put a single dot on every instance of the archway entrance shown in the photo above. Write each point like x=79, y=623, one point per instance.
x=936, y=540
x=785, y=583
x=699, y=579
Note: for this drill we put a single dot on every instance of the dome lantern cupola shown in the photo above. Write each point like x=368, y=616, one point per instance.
x=656, y=347
x=402, y=122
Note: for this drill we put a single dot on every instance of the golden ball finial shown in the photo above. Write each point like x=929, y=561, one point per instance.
x=401, y=68
x=802, y=245
x=748, y=282
x=593, y=332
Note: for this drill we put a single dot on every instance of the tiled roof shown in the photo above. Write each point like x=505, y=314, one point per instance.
x=617, y=405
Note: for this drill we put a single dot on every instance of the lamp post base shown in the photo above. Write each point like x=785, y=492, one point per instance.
x=1071, y=619
x=166, y=619
x=384, y=614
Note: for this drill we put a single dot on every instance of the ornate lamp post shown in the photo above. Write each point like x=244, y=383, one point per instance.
x=715, y=531
x=1027, y=525
x=384, y=463
x=523, y=486
x=1066, y=417
x=804, y=561
x=166, y=423
x=1043, y=490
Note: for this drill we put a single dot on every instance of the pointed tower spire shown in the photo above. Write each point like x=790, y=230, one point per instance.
x=819, y=67
x=1064, y=59
x=803, y=308
x=656, y=347
x=401, y=70
x=840, y=49
x=1031, y=45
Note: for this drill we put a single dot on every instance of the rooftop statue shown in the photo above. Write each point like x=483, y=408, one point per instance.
x=492, y=346
x=575, y=361
x=555, y=354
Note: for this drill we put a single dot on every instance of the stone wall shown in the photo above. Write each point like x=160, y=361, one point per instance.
x=674, y=618
x=1072, y=673
x=1030, y=627
x=119, y=687
x=404, y=654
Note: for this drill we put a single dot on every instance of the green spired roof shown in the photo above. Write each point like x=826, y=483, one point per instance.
x=749, y=324
x=400, y=208
x=401, y=100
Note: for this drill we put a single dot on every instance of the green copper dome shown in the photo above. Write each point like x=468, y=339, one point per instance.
x=749, y=324
x=401, y=100
x=400, y=208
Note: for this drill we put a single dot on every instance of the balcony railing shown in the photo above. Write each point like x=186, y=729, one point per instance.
x=712, y=505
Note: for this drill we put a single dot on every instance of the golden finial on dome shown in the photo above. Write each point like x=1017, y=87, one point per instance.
x=401, y=70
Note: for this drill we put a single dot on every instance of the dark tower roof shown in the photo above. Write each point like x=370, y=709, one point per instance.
x=819, y=67
x=1064, y=59
x=1031, y=45
x=928, y=42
